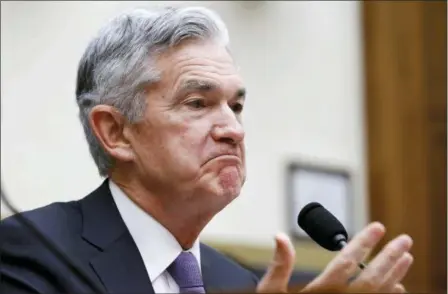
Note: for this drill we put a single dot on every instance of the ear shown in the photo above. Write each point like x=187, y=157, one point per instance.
x=109, y=125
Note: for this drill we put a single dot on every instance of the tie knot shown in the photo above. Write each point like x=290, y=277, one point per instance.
x=187, y=274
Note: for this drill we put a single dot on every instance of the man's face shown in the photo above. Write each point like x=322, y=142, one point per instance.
x=191, y=141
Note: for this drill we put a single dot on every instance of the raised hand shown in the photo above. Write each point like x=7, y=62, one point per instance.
x=342, y=275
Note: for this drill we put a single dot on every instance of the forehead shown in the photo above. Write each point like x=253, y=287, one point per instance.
x=198, y=60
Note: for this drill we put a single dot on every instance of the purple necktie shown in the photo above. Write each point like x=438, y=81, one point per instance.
x=185, y=271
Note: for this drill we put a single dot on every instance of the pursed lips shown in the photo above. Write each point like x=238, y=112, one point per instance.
x=233, y=155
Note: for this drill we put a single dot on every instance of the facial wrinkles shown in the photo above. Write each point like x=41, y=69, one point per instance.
x=187, y=124
x=203, y=66
x=224, y=68
x=218, y=74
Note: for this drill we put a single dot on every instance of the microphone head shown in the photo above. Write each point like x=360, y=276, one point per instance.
x=321, y=225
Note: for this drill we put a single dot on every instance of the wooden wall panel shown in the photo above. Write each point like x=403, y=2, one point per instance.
x=436, y=85
x=405, y=62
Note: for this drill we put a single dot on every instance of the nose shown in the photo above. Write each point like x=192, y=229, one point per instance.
x=229, y=130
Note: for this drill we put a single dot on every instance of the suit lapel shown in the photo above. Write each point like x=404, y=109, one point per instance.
x=214, y=279
x=221, y=275
x=120, y=268
x=118, y=265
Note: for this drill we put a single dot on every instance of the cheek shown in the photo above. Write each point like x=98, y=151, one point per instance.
x=184, y=143
x=174, y=142
x=192, y=144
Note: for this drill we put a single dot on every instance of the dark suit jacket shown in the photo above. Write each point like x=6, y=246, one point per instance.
x=93, y=234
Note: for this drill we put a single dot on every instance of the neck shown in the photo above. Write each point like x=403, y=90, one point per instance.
x=182, y=220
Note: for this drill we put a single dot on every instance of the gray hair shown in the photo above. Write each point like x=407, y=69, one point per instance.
x=118, y=63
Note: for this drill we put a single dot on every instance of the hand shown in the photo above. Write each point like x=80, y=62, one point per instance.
x=383, y=274
x=279, y=272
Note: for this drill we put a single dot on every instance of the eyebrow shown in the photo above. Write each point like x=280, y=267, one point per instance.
x=206, y=86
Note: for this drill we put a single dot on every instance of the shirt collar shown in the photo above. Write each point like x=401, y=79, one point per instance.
x=156, y=244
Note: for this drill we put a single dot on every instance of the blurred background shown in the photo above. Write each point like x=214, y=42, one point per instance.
x=357, y=87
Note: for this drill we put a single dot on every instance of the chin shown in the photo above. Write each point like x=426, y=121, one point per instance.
x=224, y=188
x=228, y=194
x=217, y=197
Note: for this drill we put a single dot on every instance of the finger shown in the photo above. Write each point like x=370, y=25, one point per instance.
x=397, y=273
x=345, y=264
x=374, y=276
x=279, y=272
x=398, y=288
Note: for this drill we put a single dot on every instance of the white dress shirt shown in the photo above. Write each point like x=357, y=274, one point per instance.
x=156, y=244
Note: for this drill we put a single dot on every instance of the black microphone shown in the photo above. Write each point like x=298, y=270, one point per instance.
x=323, y=227
x=64, y=258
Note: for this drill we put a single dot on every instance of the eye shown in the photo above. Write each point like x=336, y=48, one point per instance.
x=196, y=103
x=237, y=107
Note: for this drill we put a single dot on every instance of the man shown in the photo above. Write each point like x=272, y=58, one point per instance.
x=161, y=103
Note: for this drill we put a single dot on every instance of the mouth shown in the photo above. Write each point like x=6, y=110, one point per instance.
x=228, y=158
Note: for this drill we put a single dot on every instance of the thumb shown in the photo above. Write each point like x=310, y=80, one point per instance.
x=279, y=272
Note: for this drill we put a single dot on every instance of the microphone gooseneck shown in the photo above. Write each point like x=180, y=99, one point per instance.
x=323, y=227
x=340, y=241
x=64, y=258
